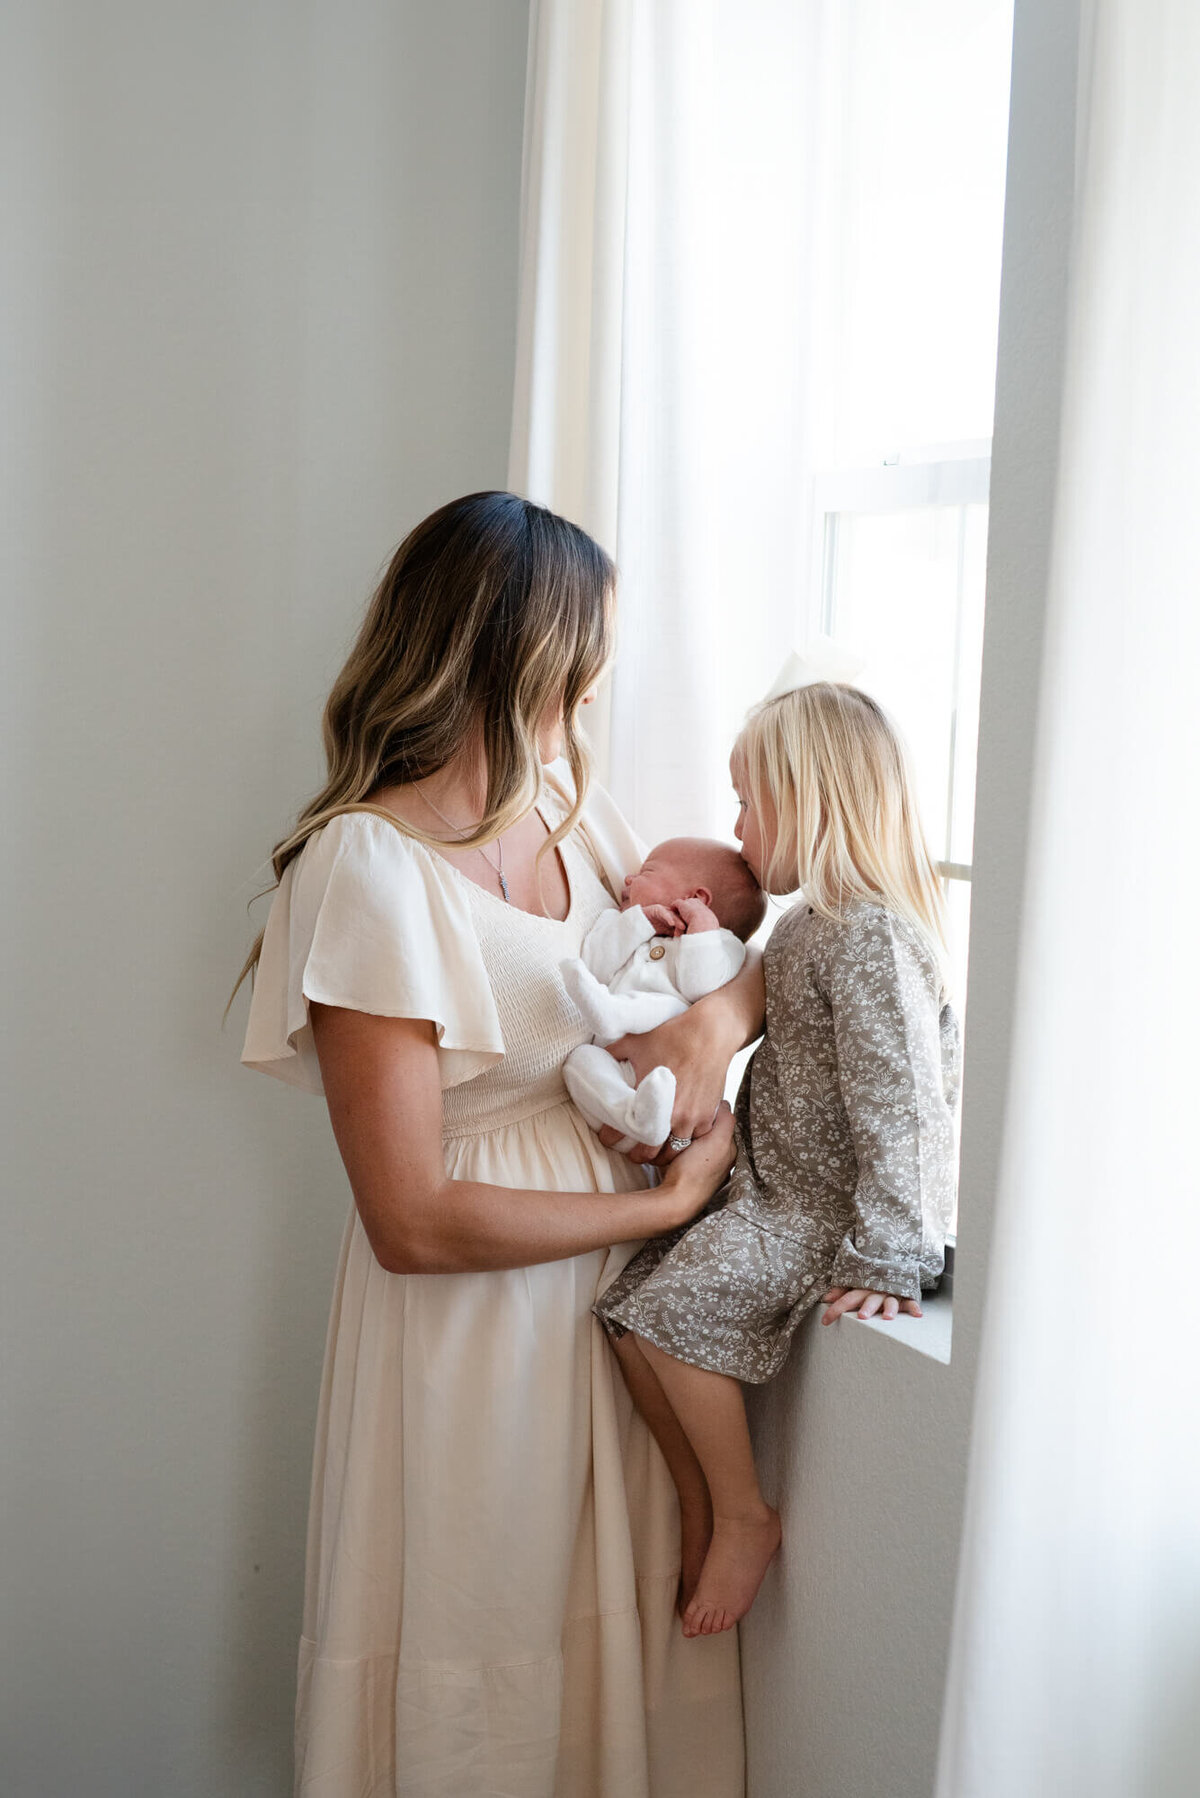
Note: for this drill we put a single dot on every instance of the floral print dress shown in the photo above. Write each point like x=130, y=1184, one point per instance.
x=846, y=1159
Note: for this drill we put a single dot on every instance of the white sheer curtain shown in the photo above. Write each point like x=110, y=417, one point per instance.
x=663, y=356
x=759, y=242
x=1075, y=1665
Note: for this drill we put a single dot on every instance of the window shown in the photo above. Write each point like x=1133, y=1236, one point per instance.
x=900, y=562
x=891, y=386
x=913, y=152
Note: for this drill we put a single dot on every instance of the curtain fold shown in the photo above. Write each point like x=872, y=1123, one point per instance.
x=567, y=399
x=1075, y=1662
x=662, y=358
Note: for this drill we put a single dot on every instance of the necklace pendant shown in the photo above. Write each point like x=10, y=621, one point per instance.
x=504, y=890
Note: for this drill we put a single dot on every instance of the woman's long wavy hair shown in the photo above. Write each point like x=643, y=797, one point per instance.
x=831, y=766
x=491, y=612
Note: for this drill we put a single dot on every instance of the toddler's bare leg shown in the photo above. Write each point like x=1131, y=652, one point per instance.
x=746, y=1530
x=695, y=1505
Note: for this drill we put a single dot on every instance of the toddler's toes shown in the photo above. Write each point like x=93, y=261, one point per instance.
x=694, y=1619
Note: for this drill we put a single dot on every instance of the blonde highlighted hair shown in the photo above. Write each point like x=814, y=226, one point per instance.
x=491, y=612
x=828, y=764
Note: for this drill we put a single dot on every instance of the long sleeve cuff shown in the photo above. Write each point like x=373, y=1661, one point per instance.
x=873, y=1273
x=613, y=938
x=706, y=961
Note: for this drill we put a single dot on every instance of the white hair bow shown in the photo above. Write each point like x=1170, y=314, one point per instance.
x=821, y=659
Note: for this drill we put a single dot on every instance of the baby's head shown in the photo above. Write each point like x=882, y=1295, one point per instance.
x=696, y=868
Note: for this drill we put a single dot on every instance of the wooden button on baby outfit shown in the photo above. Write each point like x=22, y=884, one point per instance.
x=657, y=951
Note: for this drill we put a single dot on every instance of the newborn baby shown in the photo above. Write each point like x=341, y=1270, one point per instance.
x=680, y=933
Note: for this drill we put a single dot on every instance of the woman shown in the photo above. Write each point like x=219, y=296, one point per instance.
x=493, y=1553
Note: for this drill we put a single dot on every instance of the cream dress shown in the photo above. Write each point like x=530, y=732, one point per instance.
x=493, y=1539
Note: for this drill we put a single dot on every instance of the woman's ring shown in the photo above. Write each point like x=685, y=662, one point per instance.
x=680, y=1142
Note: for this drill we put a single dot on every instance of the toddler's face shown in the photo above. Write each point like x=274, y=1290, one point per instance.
x=755, y=829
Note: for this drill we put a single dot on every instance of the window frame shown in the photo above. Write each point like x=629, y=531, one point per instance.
x=952, y=475
x=949, y=475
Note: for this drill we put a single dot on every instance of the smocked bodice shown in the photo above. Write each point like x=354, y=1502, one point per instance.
x=539, y=1023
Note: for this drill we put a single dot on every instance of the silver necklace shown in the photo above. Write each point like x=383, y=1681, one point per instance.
x=497, y=867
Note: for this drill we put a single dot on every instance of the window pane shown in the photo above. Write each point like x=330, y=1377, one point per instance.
x=906, y=588
x=914, y=153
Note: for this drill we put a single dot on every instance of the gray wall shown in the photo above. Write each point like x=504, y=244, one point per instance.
x=262, y=288
x=864, y=1440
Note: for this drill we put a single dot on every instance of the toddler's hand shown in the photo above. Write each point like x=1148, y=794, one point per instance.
x=840, y=1299
x=665, y=919
x=697, y=916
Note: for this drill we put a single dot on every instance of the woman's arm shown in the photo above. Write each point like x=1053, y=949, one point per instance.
x=698, y=1048
x=385, y=1104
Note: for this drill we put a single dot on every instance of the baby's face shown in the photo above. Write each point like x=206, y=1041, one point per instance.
x=657, y=882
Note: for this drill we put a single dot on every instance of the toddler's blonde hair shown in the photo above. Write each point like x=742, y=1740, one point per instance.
x=832, y=767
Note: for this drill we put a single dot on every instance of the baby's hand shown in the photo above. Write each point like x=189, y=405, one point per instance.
x=665, y=919
x=697, y=916
x=840, y=1299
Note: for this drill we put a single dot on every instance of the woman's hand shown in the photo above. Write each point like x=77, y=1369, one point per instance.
x=840, y=1299
x=696, y=1173
x=698, y=1048
x=695, y=1056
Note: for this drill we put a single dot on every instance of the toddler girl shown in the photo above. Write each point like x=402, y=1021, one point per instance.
x=844, y=1180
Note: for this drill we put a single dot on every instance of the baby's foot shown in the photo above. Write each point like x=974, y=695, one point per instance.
x=695, y=1528
x=741, y=1552
x=649, y=1116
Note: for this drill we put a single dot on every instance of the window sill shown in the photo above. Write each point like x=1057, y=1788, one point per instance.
x=929, y=1334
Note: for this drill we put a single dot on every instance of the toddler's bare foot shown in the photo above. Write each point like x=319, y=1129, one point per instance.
x=741, y=1552
x=696, y=1528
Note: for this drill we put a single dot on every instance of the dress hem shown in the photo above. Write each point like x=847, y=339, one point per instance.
x=695, y=1359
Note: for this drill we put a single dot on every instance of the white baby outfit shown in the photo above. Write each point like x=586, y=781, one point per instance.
x=626, y=980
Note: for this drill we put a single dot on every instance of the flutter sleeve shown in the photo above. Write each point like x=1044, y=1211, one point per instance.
x=883, y=988
x=367, y=918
